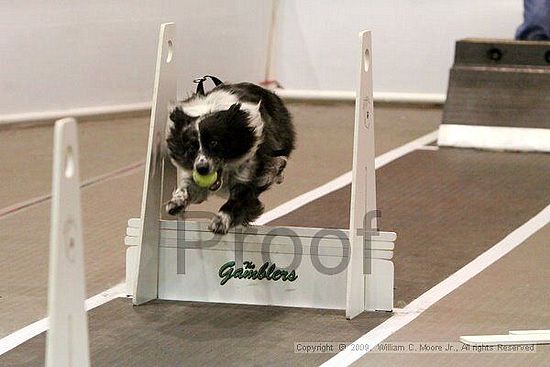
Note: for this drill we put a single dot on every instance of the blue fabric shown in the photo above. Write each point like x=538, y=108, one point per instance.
x=536, y=21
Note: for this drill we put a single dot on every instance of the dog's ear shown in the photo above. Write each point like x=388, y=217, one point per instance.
x=179, y=118
x=233, y=111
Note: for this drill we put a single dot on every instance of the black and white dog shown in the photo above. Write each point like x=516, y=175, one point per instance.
x=241, y=131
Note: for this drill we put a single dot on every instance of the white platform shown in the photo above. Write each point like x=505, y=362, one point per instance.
x=494, y=138
x=514, y=337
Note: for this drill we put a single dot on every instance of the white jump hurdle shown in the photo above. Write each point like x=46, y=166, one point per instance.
x=67, y=340
x=182, y=260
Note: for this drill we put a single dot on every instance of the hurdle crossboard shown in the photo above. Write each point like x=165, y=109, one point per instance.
x=191, y=258
x=347, y=269
x=498, y=96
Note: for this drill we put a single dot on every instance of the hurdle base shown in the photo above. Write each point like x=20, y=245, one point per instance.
x=189, y=266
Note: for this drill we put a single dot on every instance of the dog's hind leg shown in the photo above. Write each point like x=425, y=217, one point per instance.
x=273, y=172
x=279, y=166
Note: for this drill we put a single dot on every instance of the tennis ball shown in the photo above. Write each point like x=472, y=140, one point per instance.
x=205, y=180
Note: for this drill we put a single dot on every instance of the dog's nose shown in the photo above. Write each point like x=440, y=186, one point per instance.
x=202, y=168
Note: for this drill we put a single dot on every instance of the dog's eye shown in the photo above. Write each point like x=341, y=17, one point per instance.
x=213, y=144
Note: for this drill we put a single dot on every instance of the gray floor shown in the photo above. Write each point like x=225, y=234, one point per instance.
x=461, y=199
x=512, y=294
x=192, y=334
x=324, y=152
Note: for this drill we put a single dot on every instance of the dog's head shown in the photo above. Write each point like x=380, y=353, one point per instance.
x=208, y=142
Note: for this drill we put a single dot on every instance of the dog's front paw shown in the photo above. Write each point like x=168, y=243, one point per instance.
x=178, y=203
x=220, y=223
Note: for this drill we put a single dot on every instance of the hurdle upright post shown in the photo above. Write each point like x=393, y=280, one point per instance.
x=164, y=96
x=363, y=186
x=67, y=339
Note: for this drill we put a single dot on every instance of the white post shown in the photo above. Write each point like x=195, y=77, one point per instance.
x=67, y=340
x=164, y=96
x=363, y=186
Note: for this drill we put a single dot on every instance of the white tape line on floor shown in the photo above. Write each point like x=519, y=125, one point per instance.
x=14, y=339
x=432, y=296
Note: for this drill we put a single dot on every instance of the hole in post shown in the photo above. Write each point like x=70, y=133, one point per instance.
x=70, y=249
x=69, y=163
x=366, y=60
x=69, y=235
x=170, y=51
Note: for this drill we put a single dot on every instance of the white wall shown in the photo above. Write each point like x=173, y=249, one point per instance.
x=58, y=55
x=413, y=40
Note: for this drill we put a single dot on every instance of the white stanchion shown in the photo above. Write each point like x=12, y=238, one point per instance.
x=363, y=182
x=67, y=340
x=164, y=96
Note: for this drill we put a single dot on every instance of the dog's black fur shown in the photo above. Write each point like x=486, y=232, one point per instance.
x=244, y=133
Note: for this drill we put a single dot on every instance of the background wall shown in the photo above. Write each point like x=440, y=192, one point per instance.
x=60, y=55
x=413, y=40
x=57, y=55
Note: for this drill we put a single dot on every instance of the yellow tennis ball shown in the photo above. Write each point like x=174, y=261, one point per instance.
x=205, y=180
